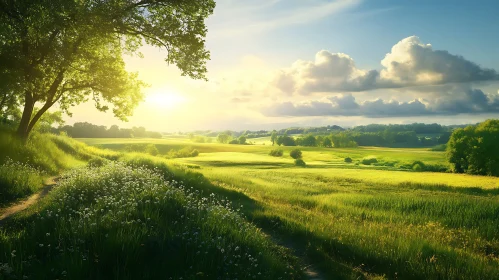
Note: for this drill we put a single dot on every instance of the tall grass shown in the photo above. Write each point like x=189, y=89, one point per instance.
x=48, y=153
x=18, y=180
x=358, y=228
x=119, y=222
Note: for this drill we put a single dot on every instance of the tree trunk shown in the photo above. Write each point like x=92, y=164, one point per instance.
x=29, y=105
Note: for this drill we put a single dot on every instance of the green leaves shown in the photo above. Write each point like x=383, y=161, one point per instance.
x=69, y=52
x=474, y=149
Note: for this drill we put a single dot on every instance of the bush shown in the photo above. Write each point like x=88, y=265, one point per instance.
x=183, y=153
x=276, y=153
x=418, y=167
x=369, y=160
x=194, y=153
x=348, y=160
x=300, y=162
x=97, y=162
x=296, y=154
x=152, y=150
x=234, y=142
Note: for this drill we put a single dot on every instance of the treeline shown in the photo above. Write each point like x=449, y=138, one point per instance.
x=350, y=138
x=88, y=130
x=381, y=135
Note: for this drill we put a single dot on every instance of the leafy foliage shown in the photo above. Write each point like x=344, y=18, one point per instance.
x=474, y=149
x=276, y=153
x=296, y=154
x=18, y=180
x=67, y=52
x=300, y=162
x=369, y=160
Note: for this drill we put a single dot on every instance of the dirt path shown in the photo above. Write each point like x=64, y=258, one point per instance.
x=311, y=272
x=20, y=206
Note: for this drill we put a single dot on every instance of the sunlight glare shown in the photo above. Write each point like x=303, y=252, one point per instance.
x=165, y=99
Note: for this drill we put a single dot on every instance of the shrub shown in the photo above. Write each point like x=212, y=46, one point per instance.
x=418, y=167
x=194, y=153
x=348, y=160
x=276, y=153
x=234, y=142
x=300, y=162
x=183, y=153
x=296, y=154
x=152, y=150
x=369, y=160
x=97, y=162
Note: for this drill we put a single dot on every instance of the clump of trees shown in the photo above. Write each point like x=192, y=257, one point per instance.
x=475, y=150
x=224, y=137
x=88, y=130
x=227, y=138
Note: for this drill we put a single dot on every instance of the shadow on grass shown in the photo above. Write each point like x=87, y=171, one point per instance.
x=445, y=188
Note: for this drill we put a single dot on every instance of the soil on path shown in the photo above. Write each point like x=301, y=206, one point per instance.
x=20, y=206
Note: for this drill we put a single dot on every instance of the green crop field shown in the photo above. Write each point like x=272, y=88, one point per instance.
x=353, y=220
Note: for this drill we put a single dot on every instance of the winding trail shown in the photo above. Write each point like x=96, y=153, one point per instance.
x=6, y=213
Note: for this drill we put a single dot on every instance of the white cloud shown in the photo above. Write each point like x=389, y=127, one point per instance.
x=410, y=63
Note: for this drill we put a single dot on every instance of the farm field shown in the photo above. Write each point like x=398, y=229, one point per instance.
x=351, y=220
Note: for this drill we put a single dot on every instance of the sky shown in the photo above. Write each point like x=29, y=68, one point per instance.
x=282, y=63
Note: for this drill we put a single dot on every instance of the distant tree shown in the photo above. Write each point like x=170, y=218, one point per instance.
x=286, y=141
x=223, y=138
x=273, y=137
x=152, y=150
x=474, y=149
x=309, y=141
x=68, y=51
x=327, y=143
x=444, y=138
x=296, y=154
x=242, y=140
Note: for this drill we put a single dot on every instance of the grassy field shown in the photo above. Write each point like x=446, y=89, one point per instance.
x=347, y=220
x=355, y=220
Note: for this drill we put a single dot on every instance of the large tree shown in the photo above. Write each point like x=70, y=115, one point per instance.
x=474, y=149
x=71, y=51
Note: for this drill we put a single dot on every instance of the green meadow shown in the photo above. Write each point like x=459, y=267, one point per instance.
x=352, y=220
x=120, y=212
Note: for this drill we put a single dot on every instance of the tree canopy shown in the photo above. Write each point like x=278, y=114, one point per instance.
x=474, y=149
x=71, y=51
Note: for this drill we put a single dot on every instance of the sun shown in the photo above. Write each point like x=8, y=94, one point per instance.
x=165, y=98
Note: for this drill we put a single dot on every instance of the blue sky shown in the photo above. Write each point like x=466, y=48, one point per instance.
x=280, y=63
